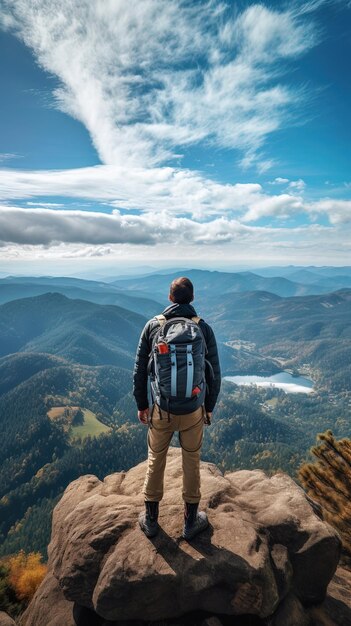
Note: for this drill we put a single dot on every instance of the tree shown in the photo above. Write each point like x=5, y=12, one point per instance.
x=26, y=573
x=328, y=481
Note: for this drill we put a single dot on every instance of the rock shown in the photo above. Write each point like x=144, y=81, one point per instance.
x=281, y=507
x=48, y=606
x=336, y=608
x=290, y=613
x=264, y=542
x=6, y=620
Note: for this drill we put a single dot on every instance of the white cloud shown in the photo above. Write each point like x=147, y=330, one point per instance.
x=146, y=83
x=168, y=74
x=166, y=189
x=278, y=181
x=297, y=186
x=338, y=211
x=263, y=33
x=52, y=227
x=54, y=237
x=283, y=206
x=310, y=6
x=47, y=205
x=7, y=156
x=48, y=226
x=157, y=189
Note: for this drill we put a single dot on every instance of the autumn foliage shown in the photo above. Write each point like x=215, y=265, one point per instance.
x=26, y=573
x=328, y=481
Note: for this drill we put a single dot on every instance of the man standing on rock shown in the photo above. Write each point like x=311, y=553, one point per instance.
x=178, y=352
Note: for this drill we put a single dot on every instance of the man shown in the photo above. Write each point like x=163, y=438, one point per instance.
x=163, y=421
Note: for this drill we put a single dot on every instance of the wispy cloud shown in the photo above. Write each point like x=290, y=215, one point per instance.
x=297, y=186
x=150, y=81
x=157, y=189
x=46, y=205
x=167, y=190
x=278, y=181
x=8, y=156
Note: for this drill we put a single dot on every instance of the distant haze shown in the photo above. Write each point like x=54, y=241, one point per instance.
x=92, y=271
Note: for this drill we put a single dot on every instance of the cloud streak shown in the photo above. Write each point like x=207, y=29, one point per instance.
x=55, y=237
x=51, y=227
x=147, y=82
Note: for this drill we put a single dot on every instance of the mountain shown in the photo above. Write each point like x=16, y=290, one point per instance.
x=19, y=367
x=211, y=285
x=322, y=282
x=61, y=355
x=263, y=317
x=14, y=288
x=289, y=270
x=82, y=331
x=306, y=330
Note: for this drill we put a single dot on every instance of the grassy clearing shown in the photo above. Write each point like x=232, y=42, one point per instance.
x=91, y=426
x=272, y=402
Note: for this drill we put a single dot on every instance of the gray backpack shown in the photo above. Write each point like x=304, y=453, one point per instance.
x=177, y=365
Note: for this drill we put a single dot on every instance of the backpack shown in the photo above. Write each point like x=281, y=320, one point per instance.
x=177, y=365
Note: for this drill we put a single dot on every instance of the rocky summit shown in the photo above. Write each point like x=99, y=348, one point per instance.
x=267, y=553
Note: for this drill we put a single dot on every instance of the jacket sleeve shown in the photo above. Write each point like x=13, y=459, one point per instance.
x=140, y=375
x=213, y=381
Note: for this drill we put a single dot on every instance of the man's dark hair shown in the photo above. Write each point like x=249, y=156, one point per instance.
x=182, y=290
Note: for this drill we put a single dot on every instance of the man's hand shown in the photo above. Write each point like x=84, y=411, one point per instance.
x=143, y=416
x=207, y=418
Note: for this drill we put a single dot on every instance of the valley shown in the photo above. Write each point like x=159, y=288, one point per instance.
x=283, y=380
x=66, y=404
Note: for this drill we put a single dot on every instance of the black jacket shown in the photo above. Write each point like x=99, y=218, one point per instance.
x=140, y=376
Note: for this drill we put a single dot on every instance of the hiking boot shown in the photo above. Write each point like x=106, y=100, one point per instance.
x=194, y=522
x=148, y=519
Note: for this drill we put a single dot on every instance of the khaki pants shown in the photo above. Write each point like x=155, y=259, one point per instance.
x=190, y=427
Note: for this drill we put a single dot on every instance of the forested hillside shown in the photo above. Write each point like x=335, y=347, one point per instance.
x=82, y=331
x=38, y=457
x=66, y=406
x=289, y=332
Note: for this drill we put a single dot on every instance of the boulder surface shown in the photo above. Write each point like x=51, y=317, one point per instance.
x=6, y=620
x=265, y=553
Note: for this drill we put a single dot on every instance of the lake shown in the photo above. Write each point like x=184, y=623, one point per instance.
x=283, y=380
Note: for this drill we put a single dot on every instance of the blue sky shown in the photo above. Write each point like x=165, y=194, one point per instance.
x=216, y=133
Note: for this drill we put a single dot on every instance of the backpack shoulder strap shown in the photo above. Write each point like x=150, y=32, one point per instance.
x=196, y=319
x=154, y=334
x=161, y=319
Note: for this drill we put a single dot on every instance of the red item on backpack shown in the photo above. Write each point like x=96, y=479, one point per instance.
x=195, y=391
x=162, y=347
